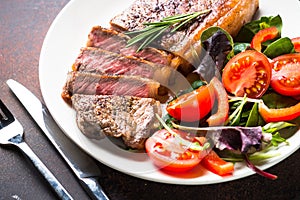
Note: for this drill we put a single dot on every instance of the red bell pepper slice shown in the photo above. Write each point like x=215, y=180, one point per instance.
x=212, y=162
x=217, y=165
x=279, y=114
x=263, y=36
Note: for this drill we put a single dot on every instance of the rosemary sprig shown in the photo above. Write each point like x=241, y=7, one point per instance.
x=155, y=29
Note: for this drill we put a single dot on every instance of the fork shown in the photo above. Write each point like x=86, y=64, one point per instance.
x=11, y=133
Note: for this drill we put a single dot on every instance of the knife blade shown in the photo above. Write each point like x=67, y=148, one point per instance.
x=83, y=166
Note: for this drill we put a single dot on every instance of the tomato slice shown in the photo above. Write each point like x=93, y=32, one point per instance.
x=263, y=36
x=286, y=74
x=247, y=73
x=221, y=115
x=168, y=153
x=194, y=105
x=296, y=43
x=217, y=165
x=279, y=114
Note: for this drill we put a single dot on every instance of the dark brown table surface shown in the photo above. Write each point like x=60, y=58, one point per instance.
x=23, y=26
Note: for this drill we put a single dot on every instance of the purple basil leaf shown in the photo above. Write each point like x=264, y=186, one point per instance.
x=257, y=170
x=237, y=138
x=216, y=49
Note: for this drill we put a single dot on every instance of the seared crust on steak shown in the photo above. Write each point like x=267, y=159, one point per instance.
x=131, y=118
x=230, y=15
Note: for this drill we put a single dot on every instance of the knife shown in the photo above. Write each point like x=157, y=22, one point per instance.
x=83, y=166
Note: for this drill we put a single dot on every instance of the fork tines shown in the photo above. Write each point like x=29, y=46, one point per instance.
x=6, y=116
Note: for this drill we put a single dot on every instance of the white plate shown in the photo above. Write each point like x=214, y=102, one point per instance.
x=68, y=34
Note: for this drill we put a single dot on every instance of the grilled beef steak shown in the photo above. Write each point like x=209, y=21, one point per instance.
x=131, y=118
x=116, y=42
x=99, y=61
x=89, y=83
x=229, y=15
x=115, y=90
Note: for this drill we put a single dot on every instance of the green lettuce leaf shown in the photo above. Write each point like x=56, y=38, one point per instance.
x=250, y=29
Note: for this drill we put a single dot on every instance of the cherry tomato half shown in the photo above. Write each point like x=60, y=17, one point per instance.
x=296, y=43
x=286, y=74
x=263, y=36
x=194, y=105
x=248, y=72
x=168, y=153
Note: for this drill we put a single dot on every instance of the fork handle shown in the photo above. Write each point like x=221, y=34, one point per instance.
x=55, y=184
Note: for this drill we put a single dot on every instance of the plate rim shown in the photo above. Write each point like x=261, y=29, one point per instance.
x=47, y=99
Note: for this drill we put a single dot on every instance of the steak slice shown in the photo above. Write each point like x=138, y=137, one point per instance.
x=132, y=118
x=116, y=42
x=96, y=84
x=230, y=15
x=99, y=61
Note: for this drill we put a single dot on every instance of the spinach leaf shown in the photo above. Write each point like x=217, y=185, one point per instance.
x=254, y=118
x=195, y=85
x=279, y=47
x=275, y=100
x=239, y=47
x=250, y=29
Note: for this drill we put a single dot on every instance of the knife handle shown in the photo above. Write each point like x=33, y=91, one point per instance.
x=95, y=190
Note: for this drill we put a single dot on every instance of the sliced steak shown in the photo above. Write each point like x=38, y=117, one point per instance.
x=99, y=61
x=91, y=84
x=116, y=42
x=229, y=15
x=132, y=118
